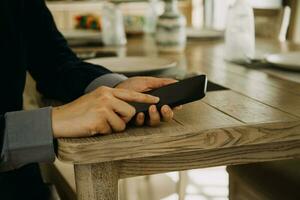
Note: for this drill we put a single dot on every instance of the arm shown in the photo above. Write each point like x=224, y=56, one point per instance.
x=57, y=70
x=27, y=136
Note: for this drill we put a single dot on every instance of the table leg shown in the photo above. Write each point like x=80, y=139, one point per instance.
x=182, y=184
x=97, y=181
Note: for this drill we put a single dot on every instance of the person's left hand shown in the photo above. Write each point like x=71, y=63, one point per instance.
x=143, y=84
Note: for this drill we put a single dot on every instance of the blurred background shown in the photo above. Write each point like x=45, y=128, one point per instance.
x=86, y=14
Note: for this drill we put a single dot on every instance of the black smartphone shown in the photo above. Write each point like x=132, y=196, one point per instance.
x=179, y=93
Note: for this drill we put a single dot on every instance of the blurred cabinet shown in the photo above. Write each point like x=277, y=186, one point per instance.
x=64, y=12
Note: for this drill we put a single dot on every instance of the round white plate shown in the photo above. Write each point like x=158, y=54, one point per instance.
x=134, y=65
x=289, y=60
x=194, y=33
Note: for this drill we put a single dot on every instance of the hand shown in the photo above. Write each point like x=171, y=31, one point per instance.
x=101, y=111
x=143, y=84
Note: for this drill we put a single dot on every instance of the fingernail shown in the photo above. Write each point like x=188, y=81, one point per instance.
x=153, y=108
x=157, y=99
x=165, y=109
x=140, y=115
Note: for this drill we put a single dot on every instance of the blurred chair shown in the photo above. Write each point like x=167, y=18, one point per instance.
x=272, y=23
x=265, y=181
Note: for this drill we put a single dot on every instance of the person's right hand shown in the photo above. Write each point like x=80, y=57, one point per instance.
x=100, y=112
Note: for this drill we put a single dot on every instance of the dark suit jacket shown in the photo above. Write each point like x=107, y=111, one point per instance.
x=30, y=41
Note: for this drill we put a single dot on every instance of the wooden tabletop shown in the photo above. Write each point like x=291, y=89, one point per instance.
x=258, y=119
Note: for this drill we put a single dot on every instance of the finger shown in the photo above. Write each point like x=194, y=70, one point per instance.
x=167, y=113
x=104, y=128
x=125, y=110
x=153, y=82
x=140, y=119
x=178, y=107
x=154, y=116
x=132, y=96
x=115, y=122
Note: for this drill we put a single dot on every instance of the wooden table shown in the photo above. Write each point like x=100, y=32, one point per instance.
x=257, y=120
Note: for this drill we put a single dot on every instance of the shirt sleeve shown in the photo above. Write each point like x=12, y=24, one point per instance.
x=109, y=80
x=27, y=137
x=59, y=73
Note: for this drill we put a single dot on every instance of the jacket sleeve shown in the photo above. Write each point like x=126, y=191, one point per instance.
x=2, y=138
x=57, y=70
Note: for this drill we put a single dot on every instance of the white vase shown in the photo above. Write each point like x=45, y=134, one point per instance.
x=170, y=30
x=113, y=31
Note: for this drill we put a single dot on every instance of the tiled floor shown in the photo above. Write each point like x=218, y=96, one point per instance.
x=202, y=184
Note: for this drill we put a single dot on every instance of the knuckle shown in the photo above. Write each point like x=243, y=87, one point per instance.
x=102, y=89
x=103, y=111
x=105, y=99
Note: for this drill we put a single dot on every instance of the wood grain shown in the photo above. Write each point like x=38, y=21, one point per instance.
x=250, y=74
x=244, y=108
x=210, y=158
x=191, y=125
x=97, y=181
x=274, y=97
x=278, y=93
x=188, y=131
x=195, y=140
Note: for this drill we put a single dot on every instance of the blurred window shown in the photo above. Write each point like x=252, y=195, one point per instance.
x=215, y=11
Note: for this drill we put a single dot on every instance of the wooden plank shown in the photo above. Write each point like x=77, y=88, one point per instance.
x=172, y=137
x=191, y=131
x=244, y=108
x=258, y=76
x=275, y=97
x=210, y=158
x=137, y=147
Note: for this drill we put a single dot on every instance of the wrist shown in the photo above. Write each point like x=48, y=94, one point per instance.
x=56, y=122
